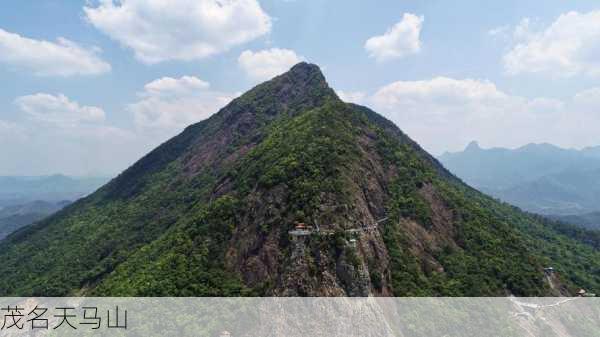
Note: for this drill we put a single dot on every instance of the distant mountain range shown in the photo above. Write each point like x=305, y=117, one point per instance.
x=20, y=190
x=540, y=178
x=25, y=200
x=588, y=220
x=17, y=216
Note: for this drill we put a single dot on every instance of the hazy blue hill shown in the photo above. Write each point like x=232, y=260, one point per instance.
x=16, y=216
x=27, y=199
x=18, y=190
x=37, y=206
x=540, y=178
x=588, y=220
x=592, y=151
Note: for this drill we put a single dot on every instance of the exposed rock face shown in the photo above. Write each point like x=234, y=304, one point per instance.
x=216, y=211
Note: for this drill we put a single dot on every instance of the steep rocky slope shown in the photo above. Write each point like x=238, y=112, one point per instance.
x=210, y=213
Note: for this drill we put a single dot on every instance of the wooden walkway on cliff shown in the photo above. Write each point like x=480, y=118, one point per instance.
x=305, y=230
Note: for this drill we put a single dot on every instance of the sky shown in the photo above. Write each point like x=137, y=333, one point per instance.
x=91, y=86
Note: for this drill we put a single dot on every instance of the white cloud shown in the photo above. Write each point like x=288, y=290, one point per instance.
x=357, y=97
x=268, y=63
x=545, y=105
x=445, y=114
x=168, y=86
x=588, y=100
x=500, y=31
x=59, y=110
x=44, y=58
x=55, y=126
x=168, y=105
x=162, y=30
x=400, y=40
x=6, y=126
x=85, y=149
x=525, y=30
x=569, y=46
x=55, y=134
x=440, y=91
x=10, y=130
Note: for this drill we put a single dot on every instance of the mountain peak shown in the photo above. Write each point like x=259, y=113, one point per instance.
x=301, y=88
x=474, y=145
x=303, y=75
x=540, y=147
x=306, y=69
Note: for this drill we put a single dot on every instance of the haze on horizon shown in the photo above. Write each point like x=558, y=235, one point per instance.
x=90, y=86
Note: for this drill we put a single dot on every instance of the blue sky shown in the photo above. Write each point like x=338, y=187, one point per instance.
x=133, y=73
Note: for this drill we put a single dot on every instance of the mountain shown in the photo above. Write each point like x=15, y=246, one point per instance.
x=588, y=220
x=591, y=151
x=231, y=206
x=27, y=199
x=16, y=216
x=571, y=192
x=15, y=190
x=38, y=206
x=540, y=178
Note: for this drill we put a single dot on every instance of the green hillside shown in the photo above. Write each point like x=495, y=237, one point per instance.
x=209, y=212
